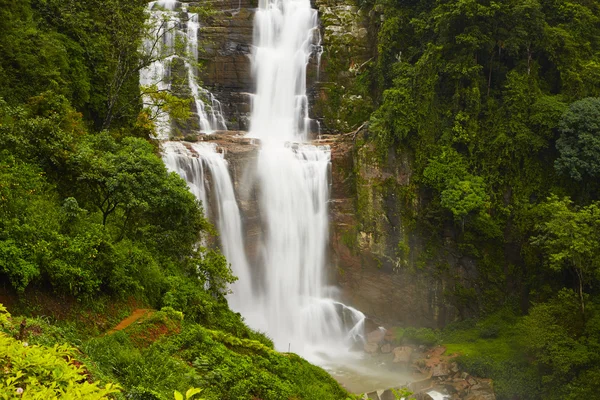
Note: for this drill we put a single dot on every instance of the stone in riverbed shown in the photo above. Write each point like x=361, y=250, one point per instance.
x=481, y=391
x=390, y=335
x=376, y=336
x=386, y=348
x=371, y=347
x=440, y=369
x=402, y=354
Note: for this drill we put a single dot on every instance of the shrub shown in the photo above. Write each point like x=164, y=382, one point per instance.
x=39, y=372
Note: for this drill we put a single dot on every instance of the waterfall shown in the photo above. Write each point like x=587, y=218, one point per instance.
x=206, y=172
x=285, y=35
x=171, y=24
x=293, y=303
x=284, y=292
x=179, y=159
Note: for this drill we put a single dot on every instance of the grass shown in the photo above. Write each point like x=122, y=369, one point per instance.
x=490, y=348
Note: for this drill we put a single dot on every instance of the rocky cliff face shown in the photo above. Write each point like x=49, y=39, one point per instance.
x=378, y=258
x=384, y=266
x=341, y=103
x=226, y=37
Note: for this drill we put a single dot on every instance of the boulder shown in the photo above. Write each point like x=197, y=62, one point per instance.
x=376, y=336
x=388, y=395
x=386, y=348
x=440, y=369
x=460, y=385
x=371, y=347
x=390, y=335
x=402, y=354
x=454, y=367
x=373, y=396
x=482, y=390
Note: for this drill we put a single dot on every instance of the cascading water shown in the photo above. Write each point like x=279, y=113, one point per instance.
x=206, y=172
x=171, y=23
x=179, y=159
x=285, y=35
x=292, y=303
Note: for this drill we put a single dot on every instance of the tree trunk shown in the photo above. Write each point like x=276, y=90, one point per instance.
x=581, y=299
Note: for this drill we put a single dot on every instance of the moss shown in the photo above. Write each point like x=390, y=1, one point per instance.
x=490, y=348
x=347, y=100
x=349, y=239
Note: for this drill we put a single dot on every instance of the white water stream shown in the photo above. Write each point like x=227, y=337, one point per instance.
x=286, y=33
x=206, y=172
x=293, y=304
x=172, y=28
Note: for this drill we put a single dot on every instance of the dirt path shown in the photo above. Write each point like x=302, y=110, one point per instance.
x=135, y=316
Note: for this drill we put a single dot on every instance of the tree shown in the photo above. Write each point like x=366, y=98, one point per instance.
x=461, y=193
x=579, y=142
x=555, y=336
x=464, y=196
x=568, y=236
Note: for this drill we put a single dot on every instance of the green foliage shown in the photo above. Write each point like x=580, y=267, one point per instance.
x=402, y=393
x=38, y=372
x=568, y=238
x=495, y=104
x=417, y=336
x=490, y=348
x=579, y=142
x=87, y=51
x=188, y=395
x=463, y=197
x=90, y=213
x=199, y=306
x=460, y=192
x=28, y=220
x=224, y=365
x=4, y=315
x=139, y=370
x=563, y=345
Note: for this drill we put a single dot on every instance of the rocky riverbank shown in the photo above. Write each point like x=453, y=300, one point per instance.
x=431, y=369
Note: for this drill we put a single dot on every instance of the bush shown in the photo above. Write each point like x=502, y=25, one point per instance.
x=39, y=372
x=417, y=336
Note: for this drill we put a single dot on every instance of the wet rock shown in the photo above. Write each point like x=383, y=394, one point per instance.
x=402, y=354
x=386, y=348
x=390, y=335
x=376, y=336
x=226, y=37
x=440, y=369
x=368, y=268
x=371, y=347
x=482, y=390
x=387, y=395
x=422, y=396
x=454, y=367
x=460, y=386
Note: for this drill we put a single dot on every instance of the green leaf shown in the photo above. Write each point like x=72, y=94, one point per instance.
x=191, y=392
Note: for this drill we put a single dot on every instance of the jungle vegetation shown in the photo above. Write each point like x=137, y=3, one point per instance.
x=93, y=225
x=497, y=104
